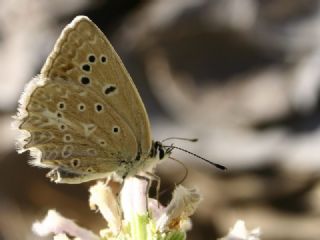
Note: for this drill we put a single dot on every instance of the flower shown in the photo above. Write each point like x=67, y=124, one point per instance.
x=57, y=224
x=177, y=213
x=240, y=232
x=102, y=198
x=135, y=217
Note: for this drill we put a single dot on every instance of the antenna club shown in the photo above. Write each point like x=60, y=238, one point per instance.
x=180, y=138
x=219, y=166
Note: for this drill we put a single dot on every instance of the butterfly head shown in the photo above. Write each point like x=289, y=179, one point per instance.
x=159, y=151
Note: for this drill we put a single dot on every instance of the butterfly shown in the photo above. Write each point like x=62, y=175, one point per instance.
x=82, y=116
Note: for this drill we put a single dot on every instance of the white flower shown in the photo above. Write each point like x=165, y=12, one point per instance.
x=177, y=213
x=240, y=232
x=102, y=197
x=134, y=198
x=61, y=236
x=141, y=218
x=175, y=216
x=57, y=224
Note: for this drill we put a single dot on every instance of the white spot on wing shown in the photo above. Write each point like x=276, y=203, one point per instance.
x=83, y=94
x=67, y=138
x=89, y=128
x=67, y=151
x=92, y=152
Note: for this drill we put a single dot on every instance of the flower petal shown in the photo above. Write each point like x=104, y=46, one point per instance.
x=57, y=224
x=183, y=204
x=61, y=236
x=240, y=232
x=134, y=197
x=101, y=196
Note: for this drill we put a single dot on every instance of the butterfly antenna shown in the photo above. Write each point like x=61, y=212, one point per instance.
x=180, y=138
x=185, y=168
x=196, y=155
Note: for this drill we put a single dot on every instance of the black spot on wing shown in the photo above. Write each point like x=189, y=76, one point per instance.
x=110, y=90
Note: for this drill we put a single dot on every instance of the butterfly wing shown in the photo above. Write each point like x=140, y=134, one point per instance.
x=83, y=112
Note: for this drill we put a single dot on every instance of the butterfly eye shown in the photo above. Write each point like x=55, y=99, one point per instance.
x=75, y=163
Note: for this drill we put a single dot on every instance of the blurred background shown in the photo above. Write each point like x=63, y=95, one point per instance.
x=242, y=76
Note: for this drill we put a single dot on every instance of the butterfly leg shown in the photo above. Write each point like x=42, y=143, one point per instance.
x=158, y=181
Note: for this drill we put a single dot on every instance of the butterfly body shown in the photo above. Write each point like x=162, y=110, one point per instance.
x=83, y=116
